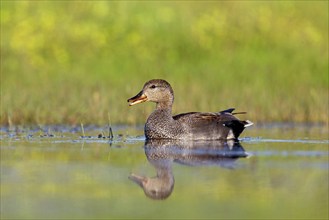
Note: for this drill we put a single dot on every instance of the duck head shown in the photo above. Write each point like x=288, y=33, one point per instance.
x=155, y=90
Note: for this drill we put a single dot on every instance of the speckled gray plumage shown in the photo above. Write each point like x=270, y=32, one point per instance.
x=192, y=126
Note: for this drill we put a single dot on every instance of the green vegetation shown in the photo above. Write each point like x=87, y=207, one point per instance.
x=71, y=62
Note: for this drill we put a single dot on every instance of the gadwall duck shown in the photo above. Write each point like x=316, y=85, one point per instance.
x=193, y=125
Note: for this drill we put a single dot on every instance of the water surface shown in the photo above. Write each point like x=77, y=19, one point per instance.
x=276, y=171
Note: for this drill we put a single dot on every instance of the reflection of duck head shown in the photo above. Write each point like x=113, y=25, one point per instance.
x=159, y=187
x=162, y=152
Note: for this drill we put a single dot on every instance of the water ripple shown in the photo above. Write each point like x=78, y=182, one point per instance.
x=266, y=140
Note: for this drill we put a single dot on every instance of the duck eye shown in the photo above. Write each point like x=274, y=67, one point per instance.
x=152, y=87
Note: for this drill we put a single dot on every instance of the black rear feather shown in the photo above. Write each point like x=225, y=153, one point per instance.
x=236, y=126
x=230, y=110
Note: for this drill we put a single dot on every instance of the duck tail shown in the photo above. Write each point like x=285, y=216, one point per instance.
x=237, y=127
x=247, y=123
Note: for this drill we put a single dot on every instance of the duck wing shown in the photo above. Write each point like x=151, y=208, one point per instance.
x=208, y=125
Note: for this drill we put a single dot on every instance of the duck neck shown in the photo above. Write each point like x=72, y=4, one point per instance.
x=161, y=111
x=163, y=106
x=166, y=102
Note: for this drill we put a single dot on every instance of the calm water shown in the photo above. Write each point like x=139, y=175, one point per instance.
x=277, y=171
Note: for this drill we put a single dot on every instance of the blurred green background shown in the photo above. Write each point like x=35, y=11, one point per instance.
x=79, y=61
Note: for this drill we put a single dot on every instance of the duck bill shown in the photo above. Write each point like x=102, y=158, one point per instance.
x=139, y=98
x=137, y=179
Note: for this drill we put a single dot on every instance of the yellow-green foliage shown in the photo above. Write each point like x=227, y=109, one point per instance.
x=77, y=61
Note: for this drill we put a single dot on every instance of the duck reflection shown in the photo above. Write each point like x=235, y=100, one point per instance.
x=162, y=153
